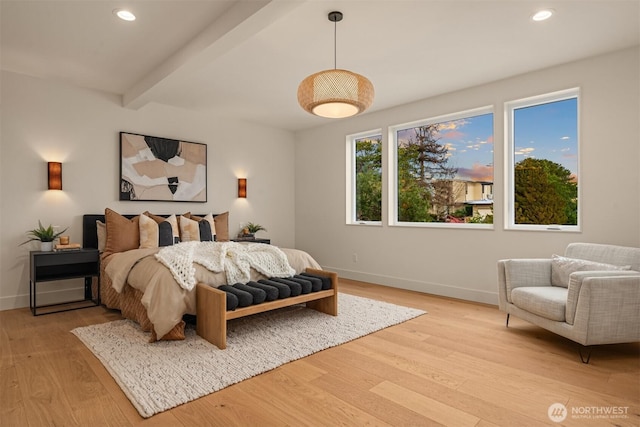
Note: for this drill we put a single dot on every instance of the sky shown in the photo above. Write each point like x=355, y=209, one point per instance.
x=470, y=145
x=545, y=131
x=548, y=131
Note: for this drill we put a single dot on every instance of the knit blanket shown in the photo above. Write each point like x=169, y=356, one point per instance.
x=234, y=259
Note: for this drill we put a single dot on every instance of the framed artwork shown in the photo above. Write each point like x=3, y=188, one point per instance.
x=162, y=169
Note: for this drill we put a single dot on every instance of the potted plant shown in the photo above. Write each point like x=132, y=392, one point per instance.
x=251, y=229
x=46, y=236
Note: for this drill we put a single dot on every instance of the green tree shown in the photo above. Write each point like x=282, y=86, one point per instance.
x=369, y=179
x=545, y=193
x=424, y=178
x=413, y=195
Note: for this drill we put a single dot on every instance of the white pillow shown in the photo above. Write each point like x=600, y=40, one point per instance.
x=102, y=235
x=562, y=267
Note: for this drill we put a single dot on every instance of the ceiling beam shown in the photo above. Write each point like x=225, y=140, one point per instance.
x=242, y=21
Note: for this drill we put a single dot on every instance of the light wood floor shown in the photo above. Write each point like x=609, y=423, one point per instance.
x=456, y=366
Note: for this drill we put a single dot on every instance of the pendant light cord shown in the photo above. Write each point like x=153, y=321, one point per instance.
x=335, y=44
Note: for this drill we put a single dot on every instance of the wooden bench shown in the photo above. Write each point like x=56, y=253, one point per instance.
x=212, y=314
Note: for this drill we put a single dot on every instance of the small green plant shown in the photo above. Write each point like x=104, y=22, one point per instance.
x=43, y=234
x=254, y=228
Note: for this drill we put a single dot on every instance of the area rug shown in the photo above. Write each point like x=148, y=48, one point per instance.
x=161, y=375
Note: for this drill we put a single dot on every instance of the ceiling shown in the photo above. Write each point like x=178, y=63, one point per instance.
x=245, y=59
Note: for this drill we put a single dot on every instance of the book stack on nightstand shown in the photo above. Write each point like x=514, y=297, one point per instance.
x=68, y=247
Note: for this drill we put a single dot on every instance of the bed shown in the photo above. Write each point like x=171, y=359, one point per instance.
x=150, y=291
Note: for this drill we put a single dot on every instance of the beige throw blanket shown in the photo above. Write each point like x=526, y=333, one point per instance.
x=234, y=259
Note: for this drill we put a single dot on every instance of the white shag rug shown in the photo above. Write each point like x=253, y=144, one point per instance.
x=162, y=375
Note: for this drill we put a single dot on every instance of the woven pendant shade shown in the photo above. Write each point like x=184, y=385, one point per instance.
x=335, y=93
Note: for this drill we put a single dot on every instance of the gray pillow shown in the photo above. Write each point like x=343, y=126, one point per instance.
x=562, y=267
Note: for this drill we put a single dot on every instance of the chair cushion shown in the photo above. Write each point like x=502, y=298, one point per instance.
x=545, y=301
x=562, y=267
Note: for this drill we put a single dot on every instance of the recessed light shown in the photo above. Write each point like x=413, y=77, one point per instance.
x=125, y=15
x=542, y=15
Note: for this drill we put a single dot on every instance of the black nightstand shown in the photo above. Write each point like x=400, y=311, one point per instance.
x=50, y=266
x=251, y=240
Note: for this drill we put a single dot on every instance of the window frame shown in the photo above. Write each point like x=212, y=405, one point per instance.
x=509, y=160
x=392, y=167
x=351, y=176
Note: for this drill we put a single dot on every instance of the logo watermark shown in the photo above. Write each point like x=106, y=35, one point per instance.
x=558, y=412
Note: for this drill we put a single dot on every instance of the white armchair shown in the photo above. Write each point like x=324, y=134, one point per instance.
x=590, y=296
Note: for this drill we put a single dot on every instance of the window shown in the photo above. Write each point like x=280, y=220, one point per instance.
x=542, y=162
x=442, y=170
x=364, y=178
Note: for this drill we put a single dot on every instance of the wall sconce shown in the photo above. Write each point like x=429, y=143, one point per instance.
x=242, y=188
x=55, y=175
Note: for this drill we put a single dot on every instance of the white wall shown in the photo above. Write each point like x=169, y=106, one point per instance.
x=462, y=263
x=44, y=121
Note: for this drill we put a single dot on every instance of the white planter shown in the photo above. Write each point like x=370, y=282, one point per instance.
x=46, y=246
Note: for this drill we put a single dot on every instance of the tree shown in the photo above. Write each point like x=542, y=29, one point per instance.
x=369, y=180
x=545, y=193
x=425, y=192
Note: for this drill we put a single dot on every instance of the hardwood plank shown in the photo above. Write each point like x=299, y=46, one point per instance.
x=430, y=408
x=285, y=391
x=100, y=411
x=353, y=384
x=12, y=410
x=433, y=386
x=45, y=402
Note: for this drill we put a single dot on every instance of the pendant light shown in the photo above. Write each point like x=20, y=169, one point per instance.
x=335, y=93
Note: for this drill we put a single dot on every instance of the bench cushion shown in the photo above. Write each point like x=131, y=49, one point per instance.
x=546, y=301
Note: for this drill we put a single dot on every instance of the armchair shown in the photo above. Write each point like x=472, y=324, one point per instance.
x=590, y=296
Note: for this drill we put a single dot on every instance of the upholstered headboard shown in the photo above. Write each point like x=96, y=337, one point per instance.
x=90, y=229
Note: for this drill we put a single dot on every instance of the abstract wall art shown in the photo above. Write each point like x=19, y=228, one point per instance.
x=162, y=169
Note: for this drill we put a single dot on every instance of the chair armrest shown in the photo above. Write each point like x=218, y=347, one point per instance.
x=515, y=273
x=611, y=283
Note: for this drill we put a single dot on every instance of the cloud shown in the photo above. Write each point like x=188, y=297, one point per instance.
x=526, y=151
x=477, y=172
x=453, y=124
x=453, y=134
x=565, y=137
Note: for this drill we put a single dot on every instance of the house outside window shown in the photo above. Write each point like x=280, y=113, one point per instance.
x=442, y=171
x=542, y=162
x=364, y=178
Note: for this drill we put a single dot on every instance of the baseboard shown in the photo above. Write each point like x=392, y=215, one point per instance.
x=44, y=297
x=70, y=294
x=419, y=286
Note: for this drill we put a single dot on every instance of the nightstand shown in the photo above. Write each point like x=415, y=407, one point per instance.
x=51, y=266
x=251, y=240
